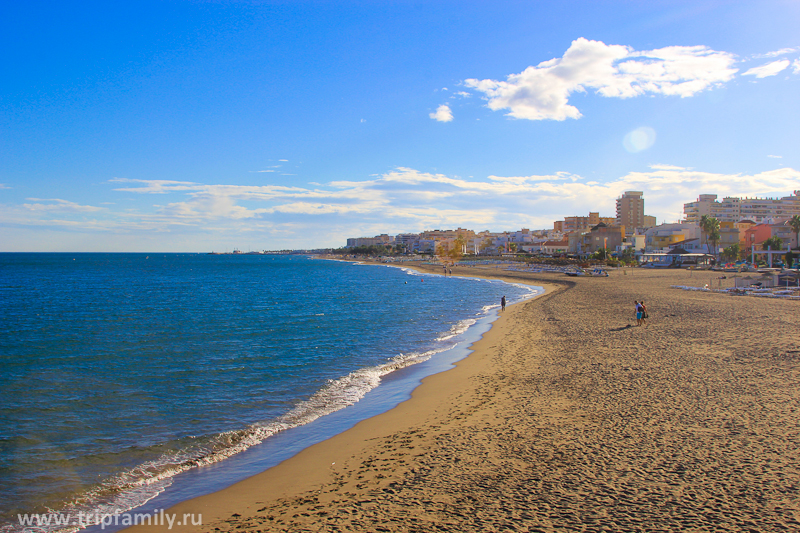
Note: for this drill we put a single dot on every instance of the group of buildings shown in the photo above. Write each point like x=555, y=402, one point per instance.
x=747, y=222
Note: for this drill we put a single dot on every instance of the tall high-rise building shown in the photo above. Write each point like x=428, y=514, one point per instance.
x=630, y=210
x=733, y=209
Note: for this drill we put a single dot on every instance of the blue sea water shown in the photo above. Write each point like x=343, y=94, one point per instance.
x=120, y=371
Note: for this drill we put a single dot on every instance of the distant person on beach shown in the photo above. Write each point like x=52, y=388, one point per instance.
x=503, y=303
x=644, y=312
x=638, y=313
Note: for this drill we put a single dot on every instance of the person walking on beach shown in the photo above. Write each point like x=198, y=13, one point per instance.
x=503, y=303
x=644, y=312
x=638, y=313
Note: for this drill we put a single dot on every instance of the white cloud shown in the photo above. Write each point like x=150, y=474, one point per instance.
x=796, y=66
x=770, y=69
x=542, y=92
x=776, y=53
x=400, y=200
x=60, y=206
x=775, y=156
x=4, y=186
x=155, y=186
x=442, y=114
x=667, y=167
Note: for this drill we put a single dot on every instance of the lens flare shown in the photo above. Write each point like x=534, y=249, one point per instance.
x=639, y=139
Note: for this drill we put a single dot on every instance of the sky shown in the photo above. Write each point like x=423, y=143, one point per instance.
x=198, y=126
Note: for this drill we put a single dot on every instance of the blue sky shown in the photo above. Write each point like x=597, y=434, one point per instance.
x=199, y=126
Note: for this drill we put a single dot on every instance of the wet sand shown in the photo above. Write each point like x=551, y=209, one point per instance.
x=567, y=417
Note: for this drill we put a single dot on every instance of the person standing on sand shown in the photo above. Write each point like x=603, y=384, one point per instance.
x=503, y=303
x=644, y=312
x=638, y=313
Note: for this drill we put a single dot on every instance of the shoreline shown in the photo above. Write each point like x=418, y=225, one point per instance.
x=306, y=476
x=565, y=415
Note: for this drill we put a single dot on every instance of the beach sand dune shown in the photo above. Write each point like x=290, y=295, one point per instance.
x=568, y=417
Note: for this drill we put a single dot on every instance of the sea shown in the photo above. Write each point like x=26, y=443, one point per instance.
x=130, y=380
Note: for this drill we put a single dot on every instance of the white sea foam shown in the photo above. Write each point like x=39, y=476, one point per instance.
x=457, y=329
x=136, y=486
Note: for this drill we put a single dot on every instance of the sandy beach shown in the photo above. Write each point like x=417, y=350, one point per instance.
x=567, y=417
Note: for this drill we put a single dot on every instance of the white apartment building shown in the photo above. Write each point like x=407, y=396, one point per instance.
x=733, y=209
x=369, y=241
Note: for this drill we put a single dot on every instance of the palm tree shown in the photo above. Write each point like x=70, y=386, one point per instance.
x=710, y=226
x=794, y=222
x=704, y=227
x=714, y=234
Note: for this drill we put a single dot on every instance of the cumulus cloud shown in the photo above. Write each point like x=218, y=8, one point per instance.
x=770, y=69
x=442, y=113
x=542, y=92
x=796, y=66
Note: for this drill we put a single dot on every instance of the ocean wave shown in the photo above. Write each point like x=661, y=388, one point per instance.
x=135, y=487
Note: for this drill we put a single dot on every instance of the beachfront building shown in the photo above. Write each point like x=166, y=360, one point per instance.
x=423, y=246
x=649, y=222
x=729, y=234
x=784, y=231
x=660, y=238
x=758, y=233
x=552, y=247
x=733, y=209
x=439, y=234
x=602, y=236
x=522, y=237
x=406, y=239
x=728, y=210
x=743, y=226
x=630, y=210
x=635, y=242
x=576, y=223
x=489, y=243
x=430, y=240
x=370, y=241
